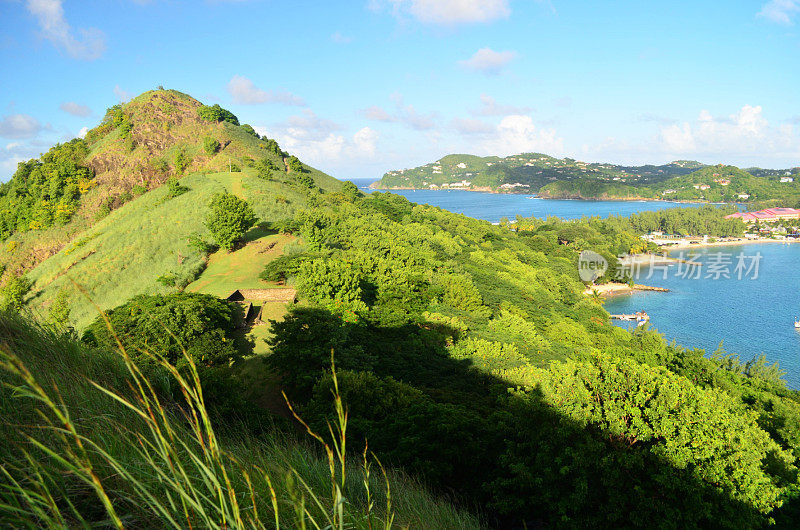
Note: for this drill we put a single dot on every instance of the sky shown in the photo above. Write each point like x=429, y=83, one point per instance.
x=358, y=88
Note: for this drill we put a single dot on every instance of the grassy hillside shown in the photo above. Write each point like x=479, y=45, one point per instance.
x=222, y=475
x=137, y=147
x=128, y=236
x=126, y=253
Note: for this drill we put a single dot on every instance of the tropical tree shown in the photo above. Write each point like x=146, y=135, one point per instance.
x=229, y=219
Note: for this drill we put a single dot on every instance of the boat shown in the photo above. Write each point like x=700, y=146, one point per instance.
x=797, y=324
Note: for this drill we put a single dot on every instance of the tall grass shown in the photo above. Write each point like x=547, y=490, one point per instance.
x=113, y=448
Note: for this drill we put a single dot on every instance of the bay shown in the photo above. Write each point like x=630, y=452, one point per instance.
x=752, y=315
x=494, y=206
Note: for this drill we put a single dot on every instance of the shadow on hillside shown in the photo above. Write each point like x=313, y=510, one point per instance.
x=464, y=432
x=260, y=230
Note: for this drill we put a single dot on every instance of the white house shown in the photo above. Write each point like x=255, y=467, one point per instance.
x=462, y=165
x=787, y=179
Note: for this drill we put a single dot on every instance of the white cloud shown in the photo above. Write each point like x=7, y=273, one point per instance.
x=245, y=92
x=122, y=95
x=490, y=107
x=364, y=141
x=338, y=38
x=82, y=132
x=780, y=11
x=518, y=134
x=54, y=27
x=378, y=114
x=19, y=126
x=488, y=61
x=471, y=126
x=745, y=134
x=317, y=141
x=76, y=109
x=420, y=122
x=309, y=126
x=405, y=114
x=450, y=12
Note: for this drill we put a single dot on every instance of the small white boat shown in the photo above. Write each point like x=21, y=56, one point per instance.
x=797, y=324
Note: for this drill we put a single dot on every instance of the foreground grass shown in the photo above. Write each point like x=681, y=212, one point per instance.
x=91, y=440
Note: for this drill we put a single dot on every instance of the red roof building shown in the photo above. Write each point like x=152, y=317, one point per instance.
x=768, y=215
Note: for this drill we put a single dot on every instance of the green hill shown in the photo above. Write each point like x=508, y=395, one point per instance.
x=127, y=236
x=137, y=147
x=524, y=173
x=567, y=178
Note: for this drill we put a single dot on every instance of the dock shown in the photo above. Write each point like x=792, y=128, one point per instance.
x=640, y=316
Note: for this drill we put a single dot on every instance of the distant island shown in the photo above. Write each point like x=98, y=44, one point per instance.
x=567, y=178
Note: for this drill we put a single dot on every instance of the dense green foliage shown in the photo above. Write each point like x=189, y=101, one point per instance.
x=210, y=145
x=46, y=191
x=703, y=220
x=169, y=325
x=229, y=219
x=217, y=113
x=249, y=130
x=471, y=357
x=12, y=293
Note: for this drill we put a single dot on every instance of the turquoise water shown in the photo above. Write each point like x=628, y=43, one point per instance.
x=753, y=316
x=493, y=206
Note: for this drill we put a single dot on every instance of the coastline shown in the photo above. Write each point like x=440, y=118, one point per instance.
x=612, y=289
x=488, y=189
x=727, y=243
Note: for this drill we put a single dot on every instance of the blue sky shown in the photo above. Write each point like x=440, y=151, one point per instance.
x=359, y=88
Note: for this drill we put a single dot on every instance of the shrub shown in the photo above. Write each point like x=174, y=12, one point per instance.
x=159, y=164
x=272, y=146
x=249, y=130
x=182, y=161
x=229, y=219
x=200, y=324
x=217, y=114
x=295, y=166
x=138, y=190
x=210, y=145
x=12, y=294
x=175, y=188
x=201, y=245
x=59, y=309
x=306, y=181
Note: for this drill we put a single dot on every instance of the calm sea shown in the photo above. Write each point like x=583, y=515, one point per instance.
x=751, y=316
x=493, y=206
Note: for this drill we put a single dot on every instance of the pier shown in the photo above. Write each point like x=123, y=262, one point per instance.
x=640, y=317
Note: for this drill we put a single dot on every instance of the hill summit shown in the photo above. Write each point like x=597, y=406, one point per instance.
x=127, y=200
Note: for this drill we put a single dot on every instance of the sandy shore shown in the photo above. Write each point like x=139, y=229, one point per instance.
x=647, y=259
x=610, y=289
x=687, y=245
